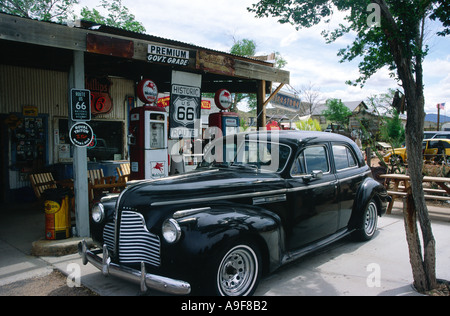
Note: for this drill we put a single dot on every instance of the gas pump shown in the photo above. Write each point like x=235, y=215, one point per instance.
x=223, y=123
x=148, y=136
x=148, y=143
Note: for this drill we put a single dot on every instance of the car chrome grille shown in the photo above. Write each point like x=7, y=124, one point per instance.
x=108, y=236
x=136, y=243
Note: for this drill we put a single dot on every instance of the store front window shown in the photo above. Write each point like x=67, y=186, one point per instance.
x=107, y=144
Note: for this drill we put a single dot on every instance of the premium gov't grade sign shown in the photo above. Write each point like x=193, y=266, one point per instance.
x=167, y=55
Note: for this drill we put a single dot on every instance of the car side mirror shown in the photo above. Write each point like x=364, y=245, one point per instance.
x=315, y=174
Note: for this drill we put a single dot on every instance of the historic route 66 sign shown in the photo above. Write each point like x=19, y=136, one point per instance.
x=185, y=111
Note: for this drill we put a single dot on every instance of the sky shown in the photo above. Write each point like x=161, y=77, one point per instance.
x=217, y=24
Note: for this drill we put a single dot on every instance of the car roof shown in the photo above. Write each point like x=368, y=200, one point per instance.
x=437, y=139
x=300, y=136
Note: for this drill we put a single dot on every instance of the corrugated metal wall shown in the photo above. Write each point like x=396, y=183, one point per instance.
x=45, y=89
x=48, y=91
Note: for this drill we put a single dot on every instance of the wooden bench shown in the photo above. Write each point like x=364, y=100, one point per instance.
x=398, y=190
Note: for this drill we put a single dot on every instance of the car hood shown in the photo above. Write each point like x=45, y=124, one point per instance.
x=199, y=187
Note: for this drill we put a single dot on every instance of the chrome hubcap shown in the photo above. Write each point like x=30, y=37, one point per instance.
x=370, y=224
x=237, y=272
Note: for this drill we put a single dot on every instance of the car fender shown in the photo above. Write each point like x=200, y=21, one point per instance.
x=368, y=190
x=209, y=230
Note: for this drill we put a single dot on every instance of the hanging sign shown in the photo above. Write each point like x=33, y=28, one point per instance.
x=81, y=134
x=286, y=101
x=147, y=91
x=80, y=105
x=167, y=55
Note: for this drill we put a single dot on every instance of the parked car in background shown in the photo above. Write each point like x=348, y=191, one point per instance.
x=435, y=149
x=436, y=134
x=255, y=203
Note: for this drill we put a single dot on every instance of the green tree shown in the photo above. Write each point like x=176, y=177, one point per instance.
x=45, y=10
x=387, y=33
x=247, y=48
x=118, y=16
x=337, y=112
x=392, y=130
x=244, y=47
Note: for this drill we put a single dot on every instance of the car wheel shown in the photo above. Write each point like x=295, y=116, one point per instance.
x=369, y=222
x=238, y=271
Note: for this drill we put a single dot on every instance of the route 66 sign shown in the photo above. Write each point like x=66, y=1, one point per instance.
x=184, y=111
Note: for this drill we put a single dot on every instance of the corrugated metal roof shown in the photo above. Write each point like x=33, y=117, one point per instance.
x=88, y=25
x=152, y=38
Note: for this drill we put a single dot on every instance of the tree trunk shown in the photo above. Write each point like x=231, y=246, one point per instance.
x=417, y=208
x=411, y=75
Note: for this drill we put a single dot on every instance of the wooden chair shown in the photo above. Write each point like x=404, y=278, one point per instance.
x=41, y=182
x=99, y=184
x=123, y=171
x=95, y=176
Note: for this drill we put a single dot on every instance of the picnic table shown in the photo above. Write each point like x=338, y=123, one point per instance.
x=401, y=182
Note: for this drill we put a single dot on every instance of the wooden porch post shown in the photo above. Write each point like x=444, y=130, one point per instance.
x=261, y=107
x=80, y=177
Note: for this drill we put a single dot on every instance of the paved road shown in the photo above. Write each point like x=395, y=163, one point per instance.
x=378, y=267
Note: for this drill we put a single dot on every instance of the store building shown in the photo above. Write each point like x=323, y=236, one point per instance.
x=36, y=62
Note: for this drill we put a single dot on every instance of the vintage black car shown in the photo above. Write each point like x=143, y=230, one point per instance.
x=256, y=202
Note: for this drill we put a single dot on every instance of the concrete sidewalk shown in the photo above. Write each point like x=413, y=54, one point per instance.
x=378, y=267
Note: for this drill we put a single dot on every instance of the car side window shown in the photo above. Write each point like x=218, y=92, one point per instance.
x=311, y=158
x=343, y=157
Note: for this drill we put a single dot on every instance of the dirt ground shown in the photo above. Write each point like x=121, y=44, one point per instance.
x=54, y=284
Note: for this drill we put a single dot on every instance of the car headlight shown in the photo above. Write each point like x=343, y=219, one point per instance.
x=98, y=212
x=171, y=231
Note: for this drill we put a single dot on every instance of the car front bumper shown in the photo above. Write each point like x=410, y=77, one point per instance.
x=144, y=279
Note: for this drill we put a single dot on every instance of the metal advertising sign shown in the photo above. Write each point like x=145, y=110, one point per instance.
x=147, y=91
x=80, y=105
x=81, y=134
x=286, y=101
x=167, y=55
x=185, y=111
x=101, y=101
x=223, y=99
x=185, y=105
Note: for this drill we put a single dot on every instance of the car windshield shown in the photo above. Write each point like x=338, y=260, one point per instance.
x=246, y=154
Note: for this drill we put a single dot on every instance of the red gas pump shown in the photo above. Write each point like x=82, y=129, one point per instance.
x=223, y=123
x=148, y=136
x=148, y=143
